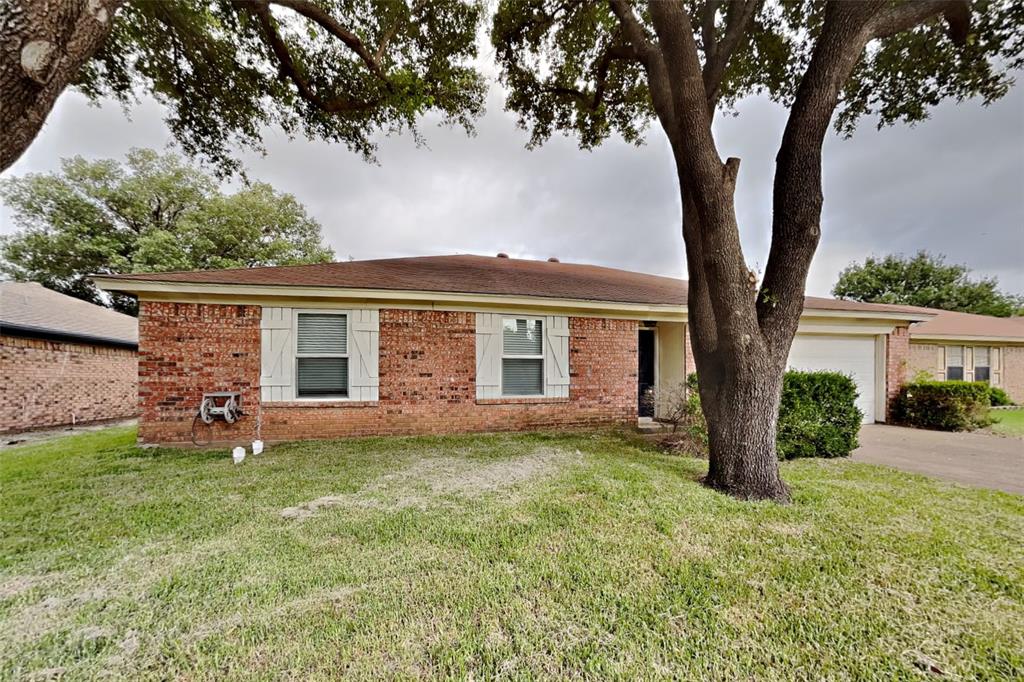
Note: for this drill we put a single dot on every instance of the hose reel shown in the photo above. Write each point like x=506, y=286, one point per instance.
x=230, y=409
x=226, y=405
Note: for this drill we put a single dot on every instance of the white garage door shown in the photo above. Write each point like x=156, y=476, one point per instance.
x=852, y=355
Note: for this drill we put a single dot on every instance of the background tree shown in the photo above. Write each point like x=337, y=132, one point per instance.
x=925, y=280
x=225, y=69
x=152, y=213
x=595, y=68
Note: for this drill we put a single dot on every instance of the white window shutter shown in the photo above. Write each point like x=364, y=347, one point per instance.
x=488, y=356
x=996, y=371
x=364, y=354
x=276, y=355
x=556, y=356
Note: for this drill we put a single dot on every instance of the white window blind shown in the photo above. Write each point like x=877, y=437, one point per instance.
x=322, y=333
x=982, y=363
x=954, y=363
x=321, y=355
x=522, y=361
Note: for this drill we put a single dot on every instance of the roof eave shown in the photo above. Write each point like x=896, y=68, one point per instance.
x=193, y=289
x=30, y=331
x=917, y=336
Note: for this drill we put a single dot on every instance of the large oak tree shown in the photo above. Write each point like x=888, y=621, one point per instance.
x=594, y=68
x=341, y=70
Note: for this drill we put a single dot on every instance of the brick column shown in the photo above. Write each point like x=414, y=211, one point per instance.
x=689, y=364
x=897, y=360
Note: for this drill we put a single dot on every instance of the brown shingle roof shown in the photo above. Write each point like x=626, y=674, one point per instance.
x=31, y=306
x=472, y=275
x=953, y=324
x=462, y=274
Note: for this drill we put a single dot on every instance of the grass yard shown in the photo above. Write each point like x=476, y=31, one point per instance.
x=511, y=556
x=1008, y=422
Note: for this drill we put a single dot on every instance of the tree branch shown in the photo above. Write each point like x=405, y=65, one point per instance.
x=707, y=28
x=320, y=16
x=907, y=15
x=679, y=54
x=654, y=65
x=386, y=39
x=592, y=100
x=288, y=67
x=634, y=31
x=739, y=17
x=797, y=194
x=43, y=53
x=847, y=29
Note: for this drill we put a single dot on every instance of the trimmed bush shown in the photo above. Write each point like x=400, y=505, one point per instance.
x=944, y=405
x=818, y=415
x=997, y=397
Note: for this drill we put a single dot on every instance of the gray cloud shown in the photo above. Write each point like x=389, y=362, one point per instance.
x=954, y=184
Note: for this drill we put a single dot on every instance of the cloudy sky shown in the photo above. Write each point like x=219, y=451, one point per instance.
x=952, y=185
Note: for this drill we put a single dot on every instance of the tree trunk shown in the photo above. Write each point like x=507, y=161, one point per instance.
x=43, y=45
x=739, y=372
x=742, y=411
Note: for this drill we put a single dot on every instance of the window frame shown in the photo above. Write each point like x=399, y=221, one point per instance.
x=519, y=356
x=347, y=354
x=987, y=365
x=962, y=365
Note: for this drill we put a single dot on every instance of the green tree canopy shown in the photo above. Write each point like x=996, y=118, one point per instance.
x=925, y=280
x=333, y=70
x=152, y=213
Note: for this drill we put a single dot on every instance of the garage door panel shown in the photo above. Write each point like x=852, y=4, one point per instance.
x=851, y=355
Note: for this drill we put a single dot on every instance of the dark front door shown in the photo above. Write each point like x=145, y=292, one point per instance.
x=645, y=373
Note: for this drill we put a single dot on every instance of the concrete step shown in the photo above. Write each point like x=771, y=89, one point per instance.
x=651, y=426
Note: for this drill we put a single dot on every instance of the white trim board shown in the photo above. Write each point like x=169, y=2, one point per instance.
x=434, y=300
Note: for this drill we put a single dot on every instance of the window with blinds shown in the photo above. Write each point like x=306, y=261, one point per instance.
x=522, y=357
x=982, y=363
x=321, y=355
x=954, y=363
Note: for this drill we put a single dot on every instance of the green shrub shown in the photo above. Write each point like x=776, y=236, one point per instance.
x=997, y=397
x=944, y=405
x=818, y=415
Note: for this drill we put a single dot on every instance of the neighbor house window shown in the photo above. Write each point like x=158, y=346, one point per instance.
x=321, y=355
x=982, y=364
x=522, y=357
x=954, y=363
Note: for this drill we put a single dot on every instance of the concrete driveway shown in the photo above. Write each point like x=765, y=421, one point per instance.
x=975, y=459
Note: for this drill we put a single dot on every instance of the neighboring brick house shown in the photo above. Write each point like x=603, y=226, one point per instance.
x=62, y=360
x=955, y=345
x=445, y=343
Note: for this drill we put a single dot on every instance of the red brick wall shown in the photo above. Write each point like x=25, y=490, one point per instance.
x=897, y=363
x=186, y=349
x=690, y=364
x=49, y=383
x=427, y=378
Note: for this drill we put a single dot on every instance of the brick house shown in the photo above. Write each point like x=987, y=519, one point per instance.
x=954, y=346
x=448, y=343
x=62, y=360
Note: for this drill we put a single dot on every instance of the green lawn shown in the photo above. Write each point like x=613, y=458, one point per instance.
x=493, y=557
x=1008, y=422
